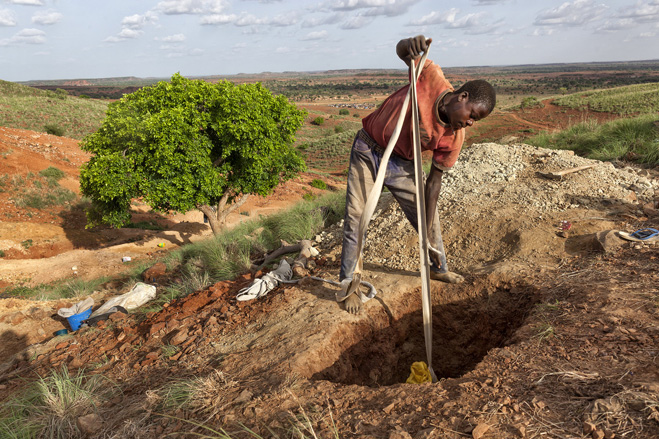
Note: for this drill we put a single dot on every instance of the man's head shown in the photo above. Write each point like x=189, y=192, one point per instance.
x=473, y=101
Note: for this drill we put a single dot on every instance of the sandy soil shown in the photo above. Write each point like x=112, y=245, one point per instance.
x=554, y=333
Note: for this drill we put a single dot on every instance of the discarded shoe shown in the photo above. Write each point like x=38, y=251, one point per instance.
x=641, y=235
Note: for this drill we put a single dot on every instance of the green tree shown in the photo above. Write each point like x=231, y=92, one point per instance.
x=188, y=144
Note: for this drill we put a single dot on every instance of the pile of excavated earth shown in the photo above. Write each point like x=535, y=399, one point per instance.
x=554, y=333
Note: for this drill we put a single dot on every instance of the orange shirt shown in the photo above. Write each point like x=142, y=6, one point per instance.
x=435, y=135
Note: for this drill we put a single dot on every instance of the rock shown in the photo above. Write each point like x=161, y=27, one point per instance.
x=399, y=434
x=480, y=430
x=153, y=273
x=90, y=424
x=609, y=241
x=179, y=337
x=608, y=434
x=244, y=396
x=116, y=316
x=156, y=327
x=389, y=408
x=597, y=434
x=520, y=430
x=588, y=427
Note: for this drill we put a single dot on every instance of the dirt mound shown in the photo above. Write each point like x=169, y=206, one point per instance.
x=554, y=333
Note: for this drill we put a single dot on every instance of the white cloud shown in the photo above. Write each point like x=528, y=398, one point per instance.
x=27, y=2
x=203, y=7
x=138, y=21
x=489, y=2
x=125, y=34
x=249, y=20
x=320, y=35
x=177, y=38
x=357, y=22
x=218, y=19
x=612, y=26
x=329, y=19
x=577, y=13
x=436, y=17
x=642, y=11
x=284, y=20
x=283, y=50
x=390, y=8
x=25, y=36
x=47, y=17
x=7, y=18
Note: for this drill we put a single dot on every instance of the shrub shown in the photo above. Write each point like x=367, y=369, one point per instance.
x=355, y=115
x=52, y=172
x=343, y=112
x=338, y=129
x=318, y=121
x=318, y=184
x=54, y=129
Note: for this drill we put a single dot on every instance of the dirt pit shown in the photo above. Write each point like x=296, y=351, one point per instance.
x=463, y=332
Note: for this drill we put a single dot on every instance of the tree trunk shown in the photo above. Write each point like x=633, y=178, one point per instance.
x=217, y=217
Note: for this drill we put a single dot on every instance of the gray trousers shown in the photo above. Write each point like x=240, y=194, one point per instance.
x=365, y=161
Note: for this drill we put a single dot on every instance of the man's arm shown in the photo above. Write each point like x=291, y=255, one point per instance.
x=412, y=48
x=433, y=187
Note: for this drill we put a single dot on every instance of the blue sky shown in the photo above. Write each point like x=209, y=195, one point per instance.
x=66, y=39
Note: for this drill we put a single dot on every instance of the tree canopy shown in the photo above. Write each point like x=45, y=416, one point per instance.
x=189, y=144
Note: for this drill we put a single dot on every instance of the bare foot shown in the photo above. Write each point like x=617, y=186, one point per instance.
x=448, y=277
x=353, y=304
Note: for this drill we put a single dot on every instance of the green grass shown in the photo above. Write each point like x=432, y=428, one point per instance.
x=50, y=406
x=33, y=109
x=628, y=100
x=634, y=139
x=66, y=289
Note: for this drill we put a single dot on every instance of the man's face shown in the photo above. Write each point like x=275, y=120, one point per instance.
x=463, y=113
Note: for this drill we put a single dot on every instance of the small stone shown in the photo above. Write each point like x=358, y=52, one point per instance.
x=399, y=434
x=179, y=337
x=520, y=430
x=588, y=427
x=480, y=430
x=244, y=396
x=89, y=424
x=389, y=408
x=116, y=316
x=608, y=434
x=597, y=434
x=153, y=273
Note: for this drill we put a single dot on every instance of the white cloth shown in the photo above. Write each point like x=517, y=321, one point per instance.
x=140, y=294
x=79, y=307
x=261, y=287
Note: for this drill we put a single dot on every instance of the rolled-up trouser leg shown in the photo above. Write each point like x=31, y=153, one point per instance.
x=361, y=176
x=400, y=182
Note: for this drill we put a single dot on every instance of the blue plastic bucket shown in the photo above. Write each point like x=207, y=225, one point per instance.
x=76, y=319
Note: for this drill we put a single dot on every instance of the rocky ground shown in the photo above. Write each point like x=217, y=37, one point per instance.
x=553, y=334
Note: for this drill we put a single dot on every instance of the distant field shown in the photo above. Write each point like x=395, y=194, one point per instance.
x=629, y=100
x=43, y=111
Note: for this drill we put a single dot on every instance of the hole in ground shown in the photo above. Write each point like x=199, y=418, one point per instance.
x=463, y=332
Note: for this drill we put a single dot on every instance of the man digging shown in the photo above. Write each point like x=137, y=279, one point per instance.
x=443, y=115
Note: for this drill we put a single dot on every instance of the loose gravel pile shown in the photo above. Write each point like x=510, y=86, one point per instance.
x=492, y=194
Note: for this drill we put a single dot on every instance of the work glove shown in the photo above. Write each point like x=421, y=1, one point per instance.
x=412, y=48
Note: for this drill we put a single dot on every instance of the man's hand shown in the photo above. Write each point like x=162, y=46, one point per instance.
x=412, y=48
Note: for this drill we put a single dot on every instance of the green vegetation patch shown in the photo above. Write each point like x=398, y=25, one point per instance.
x=29, y=108
x=632, y=99
x=634, y=139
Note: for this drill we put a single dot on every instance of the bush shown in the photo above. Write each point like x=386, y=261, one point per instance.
x=318, y=184
x=343, y=112
x=355, y=115
x=54, y=129
x=53, y=173
x=338, y=129
x=318, y=121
